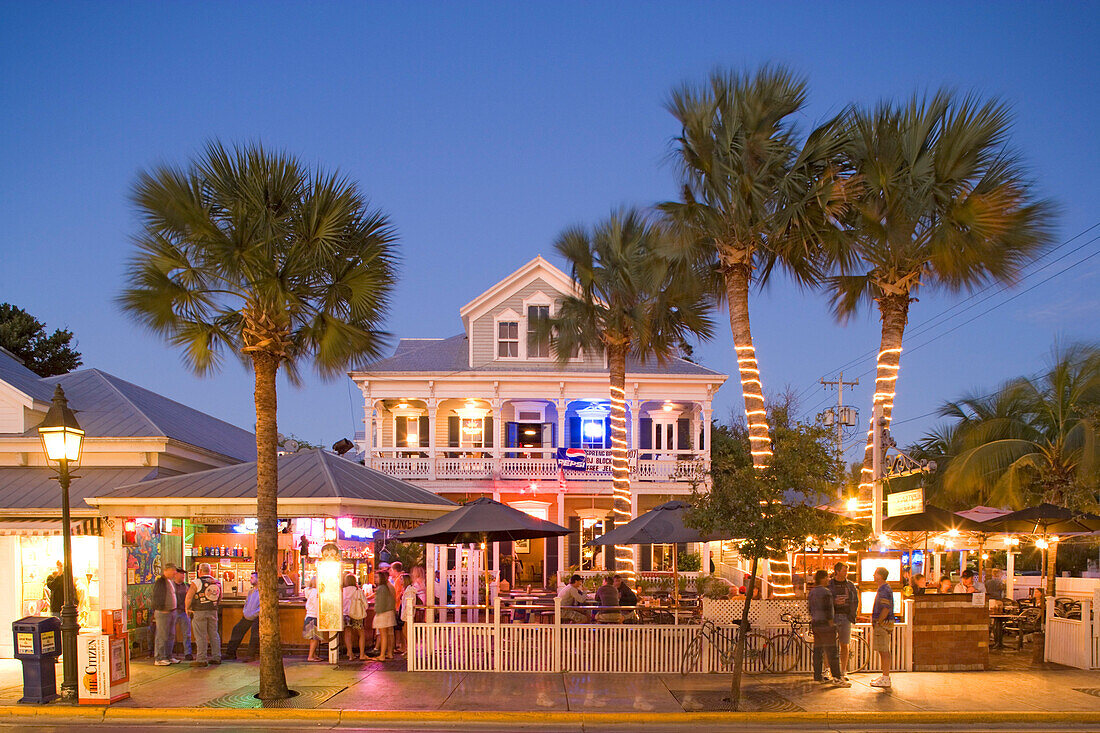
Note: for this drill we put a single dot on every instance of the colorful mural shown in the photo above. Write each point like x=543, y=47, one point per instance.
x=142, y=568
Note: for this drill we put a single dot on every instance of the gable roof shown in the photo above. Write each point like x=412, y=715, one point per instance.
x=23, y=488
x=109, y=407
x=451, y=355
x=310, y=475
x=536, y=268
x=23, y=379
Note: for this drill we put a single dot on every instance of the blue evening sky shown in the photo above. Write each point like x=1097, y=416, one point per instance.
x=484, y=129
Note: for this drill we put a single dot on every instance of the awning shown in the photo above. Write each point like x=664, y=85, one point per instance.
x=45, y=526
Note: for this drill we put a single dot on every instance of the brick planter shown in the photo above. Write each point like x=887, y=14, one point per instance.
x=949, y=633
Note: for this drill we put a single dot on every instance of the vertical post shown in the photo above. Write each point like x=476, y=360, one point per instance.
x=1048, y=614
x=563, y=561
x=429, y=590
x=635, y=549
x=1010, y=574
x=368, y=423
x=497, y=406
x=704, y=567
x=496, y=635
x=433, y=410
x=559, y=665
x=876, y=470
x=69, y=625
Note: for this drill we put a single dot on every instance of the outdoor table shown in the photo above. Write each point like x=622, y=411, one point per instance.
x=998, y=622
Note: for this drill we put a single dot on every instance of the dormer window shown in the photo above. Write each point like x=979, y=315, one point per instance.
x=537, y=347
x=507, y=339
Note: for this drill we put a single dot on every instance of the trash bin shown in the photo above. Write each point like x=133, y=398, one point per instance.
x=37, y=646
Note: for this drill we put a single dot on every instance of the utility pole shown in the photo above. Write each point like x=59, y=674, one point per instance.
x=840, y=417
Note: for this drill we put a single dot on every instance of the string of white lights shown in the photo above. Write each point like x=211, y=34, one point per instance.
x=620, y=480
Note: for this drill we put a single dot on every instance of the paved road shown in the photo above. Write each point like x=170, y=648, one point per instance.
x=740, y=727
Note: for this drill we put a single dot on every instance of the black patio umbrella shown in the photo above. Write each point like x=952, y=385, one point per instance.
x=1045, y=519
x=932, y=520
x=662, y=525
x=482, y=520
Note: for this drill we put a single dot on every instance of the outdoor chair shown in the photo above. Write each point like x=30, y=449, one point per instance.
x=1029, y=621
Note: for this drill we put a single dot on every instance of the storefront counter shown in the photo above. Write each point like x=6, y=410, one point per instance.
x=292, y=614
x=950, y=633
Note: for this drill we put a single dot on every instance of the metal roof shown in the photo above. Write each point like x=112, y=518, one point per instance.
x=310, y=474
x=23, y=379
x=23, y=488
x=452, y=355
x=109, y=407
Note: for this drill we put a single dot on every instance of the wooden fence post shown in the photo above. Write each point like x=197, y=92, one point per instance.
x=559, y=665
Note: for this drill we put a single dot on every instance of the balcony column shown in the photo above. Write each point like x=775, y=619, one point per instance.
x=560, y=405
x=497, y=406
x=635, y=442
x=704, y=443
x=433, y=409
x=635, y=549
x=368, y=422
x=563, y=561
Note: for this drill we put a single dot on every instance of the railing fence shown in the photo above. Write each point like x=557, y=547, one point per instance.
x=1074, y=642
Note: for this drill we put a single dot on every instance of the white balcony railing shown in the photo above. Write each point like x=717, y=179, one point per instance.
x=682, y=467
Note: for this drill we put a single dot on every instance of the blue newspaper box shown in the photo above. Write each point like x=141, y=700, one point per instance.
x=38, y=645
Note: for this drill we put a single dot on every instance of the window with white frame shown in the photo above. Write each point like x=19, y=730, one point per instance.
x=471, y=432
x=538, y=347
x=507, y=339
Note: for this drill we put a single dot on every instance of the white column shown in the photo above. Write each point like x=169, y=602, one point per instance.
x=497, y=432
x=368, y=422
x=560, y=405
x=937, y=566
x=433, y=410
x=704, y=444
x=1010, y=574
x=635, y=439
x=704, y=567
x=561, y=540
x=429, y=581
x=636, y=549
x=962, y=561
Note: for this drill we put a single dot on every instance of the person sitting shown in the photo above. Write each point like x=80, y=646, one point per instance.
x=608, y=596
x=995, y=588
x=627, y=596
x=969, y=583
x=947, y=585
x=917, y=587
x=572, y=597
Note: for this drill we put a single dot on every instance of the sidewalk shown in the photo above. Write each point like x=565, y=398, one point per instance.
x=167, y=692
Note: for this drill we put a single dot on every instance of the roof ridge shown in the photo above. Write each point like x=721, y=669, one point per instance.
x=104, y=376
x=321, y=455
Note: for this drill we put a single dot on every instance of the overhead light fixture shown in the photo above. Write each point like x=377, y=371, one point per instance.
x=528, y=431
x=668, y=407
x=593, y=429
x=403, y=406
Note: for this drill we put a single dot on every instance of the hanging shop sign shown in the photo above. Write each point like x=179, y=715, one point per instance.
x=905, y=502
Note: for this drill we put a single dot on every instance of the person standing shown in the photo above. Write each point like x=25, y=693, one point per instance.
x=845, y=612
x=164, y=614
x=415, y=594
x=250, y=621
x=55, y=586
x=180, y=618
x=822, y=609
x=385, y=614
x=203, y=598
x=355, y=614
x=882, y=626
x=309, y=625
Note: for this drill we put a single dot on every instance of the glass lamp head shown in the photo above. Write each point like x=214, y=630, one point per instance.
x=62, y=437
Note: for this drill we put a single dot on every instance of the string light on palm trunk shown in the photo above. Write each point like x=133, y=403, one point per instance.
x=620, y=479
x=755, y=414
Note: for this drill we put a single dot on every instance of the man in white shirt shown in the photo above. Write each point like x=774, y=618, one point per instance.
x=969, y=583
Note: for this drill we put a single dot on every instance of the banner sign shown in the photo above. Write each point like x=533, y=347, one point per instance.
x=590, y=460
x=330, y=595
x=905, y=502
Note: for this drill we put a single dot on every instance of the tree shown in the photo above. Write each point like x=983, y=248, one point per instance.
x=942, y=203
x=631, y=299
x=752, y=199
x=25, y=336
x=251, y=253
x=768, y=510
x=1037, y=439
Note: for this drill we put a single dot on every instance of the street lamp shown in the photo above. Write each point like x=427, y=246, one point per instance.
x=62, y=441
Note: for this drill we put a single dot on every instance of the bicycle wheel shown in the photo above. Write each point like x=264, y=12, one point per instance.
x=755, y=661
x=690, y=661
x=782, y=653
x=859, y=653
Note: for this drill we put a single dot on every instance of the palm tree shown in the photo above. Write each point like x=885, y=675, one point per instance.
x=631, y=299
x=752, y=198
x=248, y=252
x=1034, y=440
x=942, y=204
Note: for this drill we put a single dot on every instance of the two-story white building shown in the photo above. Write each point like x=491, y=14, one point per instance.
x=490, y=412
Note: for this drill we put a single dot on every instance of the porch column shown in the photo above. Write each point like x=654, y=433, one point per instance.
x=429, y=581
x=494, y=564
x=368, y=422
x=496, y=404
x=704, y=443
x=635, y=549
x=635, y=441
x=560, y=406
x=562, y=559
x=1010, y=574
x=433, y=409
x=704, y=565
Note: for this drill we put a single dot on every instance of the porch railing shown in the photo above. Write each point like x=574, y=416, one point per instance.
x=540, y=466
x=1074, y=642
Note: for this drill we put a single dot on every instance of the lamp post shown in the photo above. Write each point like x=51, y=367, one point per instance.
x=62, y=441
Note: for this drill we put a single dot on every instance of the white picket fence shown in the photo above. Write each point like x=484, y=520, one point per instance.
x=1073, y=642
x=595, y=648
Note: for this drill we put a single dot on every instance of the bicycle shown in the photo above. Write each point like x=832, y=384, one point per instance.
x=724, y=642
x=785, y=650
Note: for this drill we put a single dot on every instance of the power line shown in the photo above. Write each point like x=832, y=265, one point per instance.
x=927, y=324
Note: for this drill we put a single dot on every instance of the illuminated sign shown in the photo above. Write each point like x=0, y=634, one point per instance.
x=330, y=595
x=905, y=502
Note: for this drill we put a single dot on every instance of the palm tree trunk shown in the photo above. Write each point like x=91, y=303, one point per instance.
x=739, y=647
x=620, y=471
x=272, y=676
x=738, y=277
x=894, y=311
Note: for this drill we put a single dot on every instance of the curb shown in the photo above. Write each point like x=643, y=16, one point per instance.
x=335, y=716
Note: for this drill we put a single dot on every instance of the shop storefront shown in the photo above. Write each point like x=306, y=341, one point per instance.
x=209, y=518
